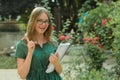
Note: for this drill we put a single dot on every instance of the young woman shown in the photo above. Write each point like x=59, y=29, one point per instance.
x=36, y=49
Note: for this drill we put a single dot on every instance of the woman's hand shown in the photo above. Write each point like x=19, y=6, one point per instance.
x=54, y=59
x=30, y=45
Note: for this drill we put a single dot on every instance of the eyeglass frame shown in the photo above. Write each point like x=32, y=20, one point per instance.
x=40, y=21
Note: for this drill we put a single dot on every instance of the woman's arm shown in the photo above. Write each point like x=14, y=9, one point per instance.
x=24, y=66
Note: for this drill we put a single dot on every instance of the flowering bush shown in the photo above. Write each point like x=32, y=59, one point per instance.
x=95, y=52
x=93, y=41
x=97, y=24
x=97, y=30
x=63, y=35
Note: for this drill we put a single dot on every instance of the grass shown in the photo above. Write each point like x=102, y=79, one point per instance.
x=7, y=62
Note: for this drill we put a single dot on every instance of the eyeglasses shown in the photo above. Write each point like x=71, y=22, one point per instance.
x=41, y=22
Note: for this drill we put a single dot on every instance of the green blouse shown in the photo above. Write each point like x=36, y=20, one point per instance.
x=40, y=60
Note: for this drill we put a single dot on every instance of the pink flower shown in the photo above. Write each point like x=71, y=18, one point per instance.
x=67, y=37
x=96, y=38
x=104, y=22
x=62, y=37
x=87, y=40
x=94, y=42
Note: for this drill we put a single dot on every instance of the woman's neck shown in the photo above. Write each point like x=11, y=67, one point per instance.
x=40, y=39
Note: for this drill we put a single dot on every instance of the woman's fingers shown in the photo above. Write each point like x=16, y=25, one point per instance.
x=35, y=42
x=53, y=58
x=32, y=44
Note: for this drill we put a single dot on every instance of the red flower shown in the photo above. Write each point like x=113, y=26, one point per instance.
x=87, y=39
x=96, y=38
x=67, y=37
x=62, y=37
x=104, y=22
x=94, y=42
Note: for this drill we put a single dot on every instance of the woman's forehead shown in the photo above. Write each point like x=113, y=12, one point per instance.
x=43, y=16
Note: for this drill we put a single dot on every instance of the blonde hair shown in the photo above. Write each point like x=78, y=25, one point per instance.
x=33, y=18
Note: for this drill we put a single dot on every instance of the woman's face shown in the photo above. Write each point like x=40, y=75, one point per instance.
x=41, y=23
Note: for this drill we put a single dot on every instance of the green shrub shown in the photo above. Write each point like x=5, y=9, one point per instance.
x=116, y=32
x=75, y=71
x=9, y=27
x=96, y=23
x=97, y=57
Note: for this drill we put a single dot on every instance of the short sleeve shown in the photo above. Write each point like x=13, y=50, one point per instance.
x=20, y=50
